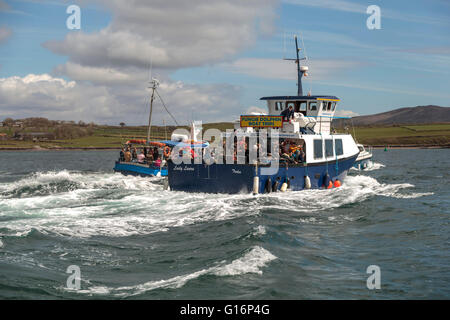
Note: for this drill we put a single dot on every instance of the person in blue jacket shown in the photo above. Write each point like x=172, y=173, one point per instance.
x=288, y=113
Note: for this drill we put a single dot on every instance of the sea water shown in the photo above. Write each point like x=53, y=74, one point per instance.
x=131, y=239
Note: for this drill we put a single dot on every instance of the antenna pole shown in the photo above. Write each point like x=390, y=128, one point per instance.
x=154, y=84
x=299, y=72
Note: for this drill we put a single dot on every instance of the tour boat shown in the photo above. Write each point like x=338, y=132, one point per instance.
x=326, y=157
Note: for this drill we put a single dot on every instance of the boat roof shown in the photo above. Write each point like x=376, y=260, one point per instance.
x=182, y=144
x=301, y=98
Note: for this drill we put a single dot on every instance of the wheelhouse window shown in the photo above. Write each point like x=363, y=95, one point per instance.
x=290, y=104
x=313, y=106
x=333, y=106
x=329, y=148
x=279, y=105
x=338, y=146
x=318, y=149
x=302, y=106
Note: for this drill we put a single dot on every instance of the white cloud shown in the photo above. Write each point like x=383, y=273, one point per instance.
x=114, y=62
x=99, y=75
x=5, y=33
x=56, y=98
x=256, y=110
x=174, y=34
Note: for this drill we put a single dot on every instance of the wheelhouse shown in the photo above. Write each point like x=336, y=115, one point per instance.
x=319, y=109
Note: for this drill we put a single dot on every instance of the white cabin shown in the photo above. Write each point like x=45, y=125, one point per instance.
x=313, y=112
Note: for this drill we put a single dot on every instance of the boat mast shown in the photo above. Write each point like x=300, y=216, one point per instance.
x=299, y=73
x=154, y=84
x=300, y=70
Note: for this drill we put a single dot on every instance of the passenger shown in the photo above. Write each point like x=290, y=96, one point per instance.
x=298, y=156
x=155, y=153
x=127, y=156
x=288, y=113
x=284, y=157
x=293, y=147
x=157, y=162
x=134, y=154
x=292, y=158
x=122, y=155
x=141, y=157
x=302, y=156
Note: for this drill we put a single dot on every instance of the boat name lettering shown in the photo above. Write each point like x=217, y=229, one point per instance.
x=179, y=168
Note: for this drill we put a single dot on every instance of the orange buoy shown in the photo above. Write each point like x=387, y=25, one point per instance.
x=337, y=183
x=166, y=151
x=330, y=185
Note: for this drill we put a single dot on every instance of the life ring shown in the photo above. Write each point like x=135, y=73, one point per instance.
x=166, y=151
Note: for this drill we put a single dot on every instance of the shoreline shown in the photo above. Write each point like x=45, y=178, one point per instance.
x=410, y=147
x=61, y=149
x=36, y=148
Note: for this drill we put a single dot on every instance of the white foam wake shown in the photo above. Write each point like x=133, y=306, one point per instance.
x=78, y=180
x=371, y=166
x=252, y=262
x=374, y=166
x=117, y=206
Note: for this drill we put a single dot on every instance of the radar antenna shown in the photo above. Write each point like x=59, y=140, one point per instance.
x=301, y=70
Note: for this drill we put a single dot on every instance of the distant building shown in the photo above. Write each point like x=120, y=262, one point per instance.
x=18, y=124
x=34, y=136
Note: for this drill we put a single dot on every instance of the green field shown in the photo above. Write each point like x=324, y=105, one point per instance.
x=411, y=135
x=112, y=137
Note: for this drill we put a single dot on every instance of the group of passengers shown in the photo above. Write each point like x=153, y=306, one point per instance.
x=145, y=155
x=292, y=152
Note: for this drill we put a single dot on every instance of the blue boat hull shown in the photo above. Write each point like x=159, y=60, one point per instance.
x=137, y=169
x=238, y=178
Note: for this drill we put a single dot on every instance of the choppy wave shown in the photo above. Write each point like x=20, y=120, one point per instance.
x=81, y=205
x=48, y=183
x=251, y=262
x=371, y=167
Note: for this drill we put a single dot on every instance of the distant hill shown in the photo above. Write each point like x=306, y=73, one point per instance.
x=413, y=115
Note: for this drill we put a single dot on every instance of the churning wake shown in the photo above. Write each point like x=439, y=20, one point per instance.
x=371, y=167
x=77, y=204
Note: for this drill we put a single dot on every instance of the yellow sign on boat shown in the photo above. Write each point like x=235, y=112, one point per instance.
x=262, y=121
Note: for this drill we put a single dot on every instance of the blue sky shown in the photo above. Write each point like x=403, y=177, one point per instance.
x=217, y=58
